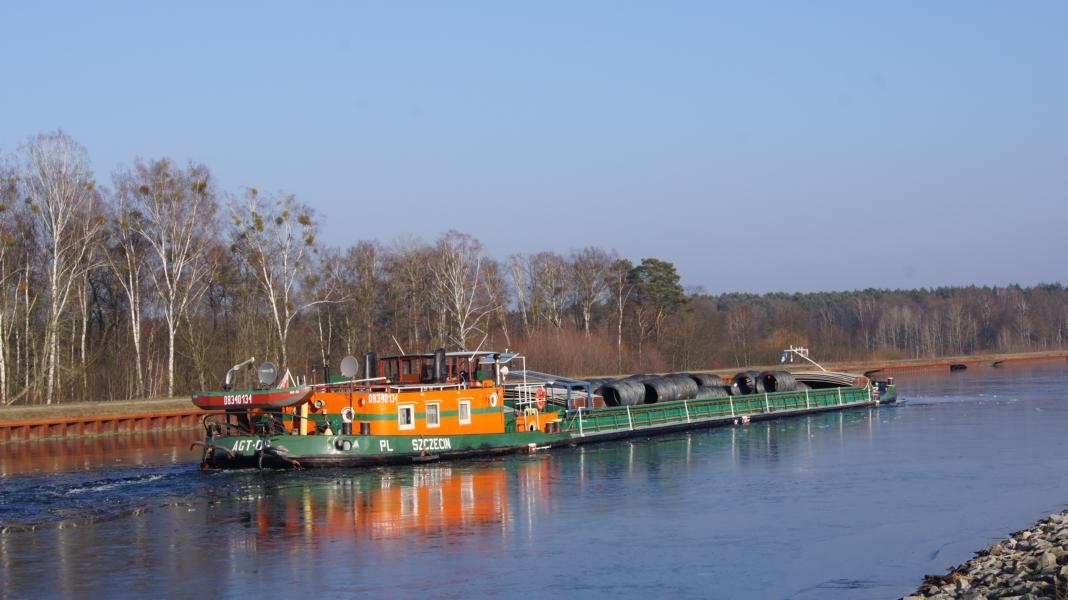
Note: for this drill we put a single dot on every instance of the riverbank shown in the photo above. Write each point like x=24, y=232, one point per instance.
x=893, y=367
x=889, y=368
x=95, y=409
x=1032, y=563
x=882, y=368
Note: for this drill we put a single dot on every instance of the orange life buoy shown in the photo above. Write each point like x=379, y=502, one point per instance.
x=540, y=395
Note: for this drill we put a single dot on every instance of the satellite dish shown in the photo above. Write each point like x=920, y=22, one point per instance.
x=267, y=373
x=349, y=366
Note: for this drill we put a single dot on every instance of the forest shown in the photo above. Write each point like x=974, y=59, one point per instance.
x=154, y=282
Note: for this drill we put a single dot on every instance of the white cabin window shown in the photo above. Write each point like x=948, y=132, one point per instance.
x=465, y=412
x=406, y=417
x=433, y=415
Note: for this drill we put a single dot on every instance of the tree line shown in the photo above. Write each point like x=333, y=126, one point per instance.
x=155, y=282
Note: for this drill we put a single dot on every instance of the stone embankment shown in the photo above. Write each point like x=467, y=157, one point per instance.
x=1031, y=564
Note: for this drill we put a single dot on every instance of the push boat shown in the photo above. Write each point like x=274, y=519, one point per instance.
x=418, y=408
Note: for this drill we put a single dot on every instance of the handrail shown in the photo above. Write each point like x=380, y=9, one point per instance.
x=340, y=386
x=732, y=406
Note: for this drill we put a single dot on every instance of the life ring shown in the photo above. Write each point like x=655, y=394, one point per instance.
x=347, y=414
x=540, y=395
x=493, y=399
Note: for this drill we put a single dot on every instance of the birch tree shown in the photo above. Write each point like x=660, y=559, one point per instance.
x=275, y=236
x=66, y=221
x=177, y=222
x=622, y=290
x=590, y=281
x=458, y=273
x=126, y=256
x=8, y=272
x=548, y=279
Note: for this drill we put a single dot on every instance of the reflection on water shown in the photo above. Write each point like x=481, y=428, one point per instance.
x=79, y=454
x=427, y=501
x=858, y=503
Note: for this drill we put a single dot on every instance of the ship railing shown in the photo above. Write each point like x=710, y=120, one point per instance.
x=573, y=394
x=428, y=387
x=381, y=384
x=687, y=411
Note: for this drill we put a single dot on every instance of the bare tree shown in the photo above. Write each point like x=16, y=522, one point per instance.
x=362, y=290
x=126, y=257
x=66, y=219
x=412, y=286
x=548, y=278
x=175, y=216
x=590, y=281
x=330, y=264
x=459, y=276
x=497, y=295
x=276, y=238
x=9, y=191
x=622, y=289
x=517, y=266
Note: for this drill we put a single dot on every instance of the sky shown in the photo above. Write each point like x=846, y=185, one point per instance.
x=759, y=146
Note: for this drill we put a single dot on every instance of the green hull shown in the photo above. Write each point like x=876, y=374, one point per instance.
x=296, y=451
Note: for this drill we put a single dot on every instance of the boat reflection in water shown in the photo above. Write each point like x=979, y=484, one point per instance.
x=509, y=495
x=384, y=531
x=425, y=501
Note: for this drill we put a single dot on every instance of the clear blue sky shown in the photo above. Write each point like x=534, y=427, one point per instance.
x=760, y=146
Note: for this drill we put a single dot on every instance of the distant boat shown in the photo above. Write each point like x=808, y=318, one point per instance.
x=958, y=367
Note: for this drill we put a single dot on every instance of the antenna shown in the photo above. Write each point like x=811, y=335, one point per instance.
x=349, y=366
x=484, y=338
x=398, y=344
x=267, y=373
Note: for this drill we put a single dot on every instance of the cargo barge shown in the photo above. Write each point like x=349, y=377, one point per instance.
x=417, y=408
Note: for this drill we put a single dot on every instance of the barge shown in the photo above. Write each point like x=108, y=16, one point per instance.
x=418, y=408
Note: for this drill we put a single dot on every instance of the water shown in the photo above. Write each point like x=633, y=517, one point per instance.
x=858, y=504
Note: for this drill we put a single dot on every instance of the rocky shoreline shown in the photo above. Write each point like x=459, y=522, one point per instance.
x=1030, y=564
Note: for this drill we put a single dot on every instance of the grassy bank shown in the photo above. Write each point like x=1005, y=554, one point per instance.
x=95, y=409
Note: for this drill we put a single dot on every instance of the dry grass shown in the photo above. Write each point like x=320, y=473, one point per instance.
x=92, y=409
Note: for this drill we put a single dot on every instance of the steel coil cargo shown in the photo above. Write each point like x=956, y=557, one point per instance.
x=623, y=392
x=712, y=391
x=597, y=382
x=685, y=386
x=748, y=382
x=706, y=379
x=659, y=389
x=778, y=381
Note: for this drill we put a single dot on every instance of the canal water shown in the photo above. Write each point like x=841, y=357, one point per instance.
x=857, y=504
